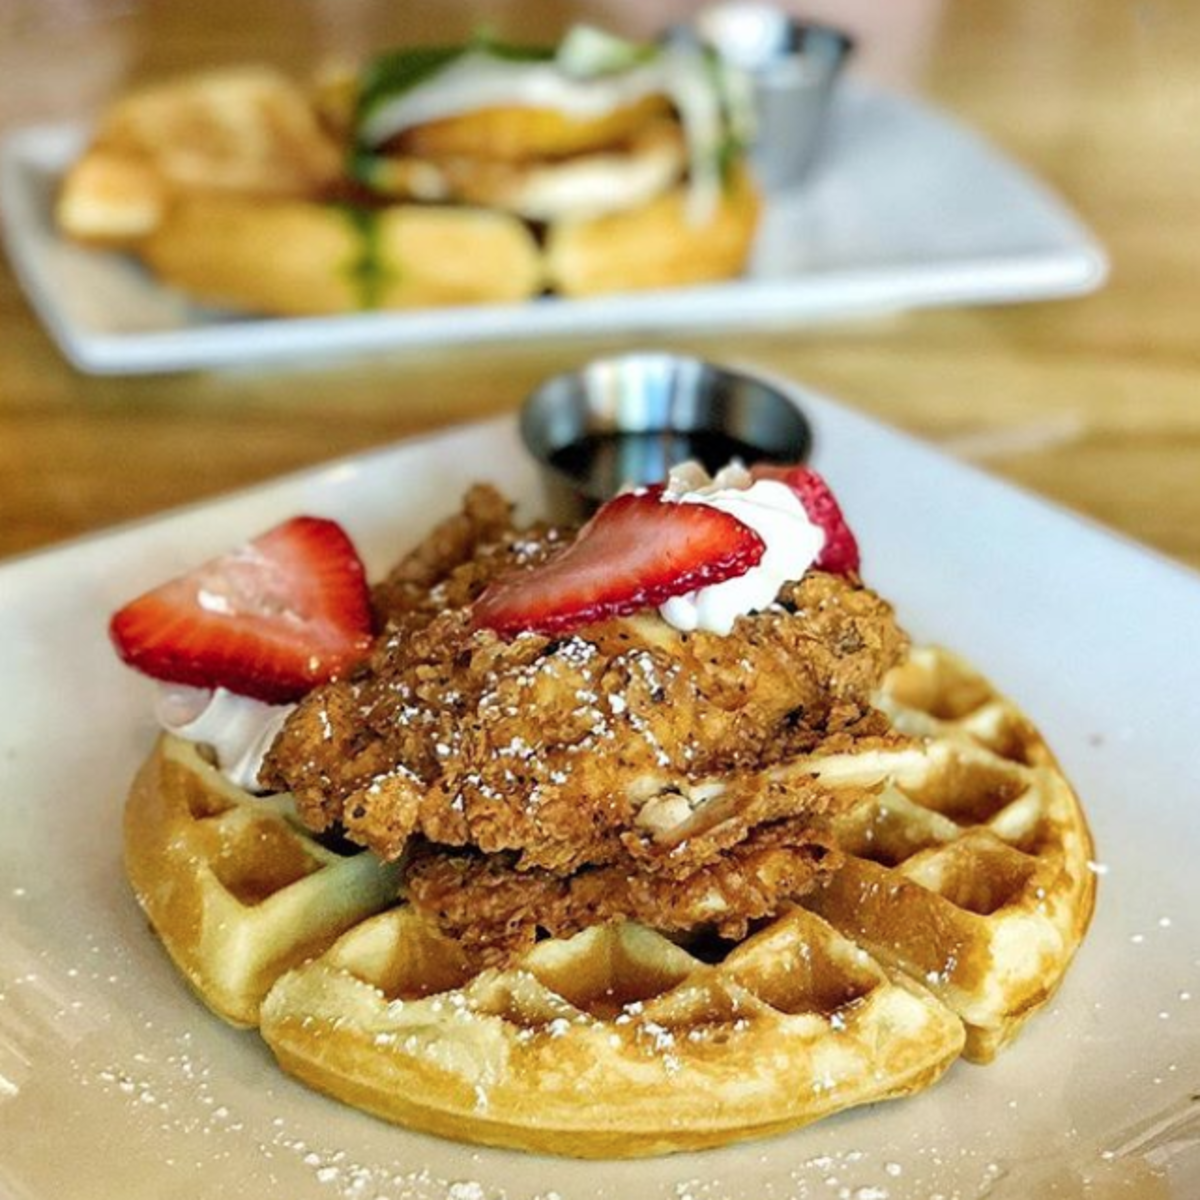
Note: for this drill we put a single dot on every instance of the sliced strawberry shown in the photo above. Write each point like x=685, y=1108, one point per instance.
x=271, y=620
x=636, y=552
x=839, y=555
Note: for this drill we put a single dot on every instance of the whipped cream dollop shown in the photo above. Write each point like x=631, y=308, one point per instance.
x=238, y=728
x=791, y=545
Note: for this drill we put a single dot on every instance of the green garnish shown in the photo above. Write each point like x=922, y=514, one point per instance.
x=400, y=71
x=584, y=54
x=590, y=53
x=397, y=72
x=367, y=271
x=731, y=147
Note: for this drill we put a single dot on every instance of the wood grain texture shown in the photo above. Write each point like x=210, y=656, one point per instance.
x=1093, y=402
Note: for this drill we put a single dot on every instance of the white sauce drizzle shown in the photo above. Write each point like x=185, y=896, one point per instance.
x=478, y=80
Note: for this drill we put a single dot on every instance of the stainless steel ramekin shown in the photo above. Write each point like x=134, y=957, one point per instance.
x=626, y=420
x=793, y=67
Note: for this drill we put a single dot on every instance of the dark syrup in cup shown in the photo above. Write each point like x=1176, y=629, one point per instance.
x=606, y=463
x=626, y=421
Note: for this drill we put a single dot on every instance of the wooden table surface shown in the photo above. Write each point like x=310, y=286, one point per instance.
x=1094, y=402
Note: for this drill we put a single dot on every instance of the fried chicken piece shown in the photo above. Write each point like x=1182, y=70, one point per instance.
x=485, y=519
x=550, y=748
x=614, y=178
x=498, y=911
x=525, y=133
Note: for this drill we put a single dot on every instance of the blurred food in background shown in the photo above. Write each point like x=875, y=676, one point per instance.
x=488, y=171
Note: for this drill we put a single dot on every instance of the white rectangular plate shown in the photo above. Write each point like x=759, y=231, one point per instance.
x=905, y=209
x=114, y=1081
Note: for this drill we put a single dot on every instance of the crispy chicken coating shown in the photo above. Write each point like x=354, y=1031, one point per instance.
x=581, y=750
x=497, y=911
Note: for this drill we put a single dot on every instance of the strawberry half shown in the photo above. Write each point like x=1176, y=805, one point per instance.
x=636, y=552
x=271, y=620
x=839, y=555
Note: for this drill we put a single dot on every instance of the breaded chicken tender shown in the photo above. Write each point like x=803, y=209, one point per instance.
x=522, y=133
x=578, y=750
x=486, y=904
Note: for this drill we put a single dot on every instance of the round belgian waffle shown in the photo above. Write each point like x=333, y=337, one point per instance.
x=969, y=868
x=235, y=887
x=965, y=893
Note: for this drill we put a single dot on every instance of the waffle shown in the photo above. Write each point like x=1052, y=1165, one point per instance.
x=965, y=893
x=614, y=1043
x=235, y=887
x=969, y=868
x=299, y=258
x=653, y=245
x=240, y=131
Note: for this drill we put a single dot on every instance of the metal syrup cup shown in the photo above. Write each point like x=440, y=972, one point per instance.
x=624, y=421
x=792, y=66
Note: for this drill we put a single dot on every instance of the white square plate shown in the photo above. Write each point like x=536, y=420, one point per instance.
x=114, y=1081
x=905, y=209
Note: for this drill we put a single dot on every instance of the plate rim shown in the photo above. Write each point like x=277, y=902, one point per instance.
x=479, y=429
x=1075, y=266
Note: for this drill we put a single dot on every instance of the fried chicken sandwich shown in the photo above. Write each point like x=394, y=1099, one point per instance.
x=431, y=175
